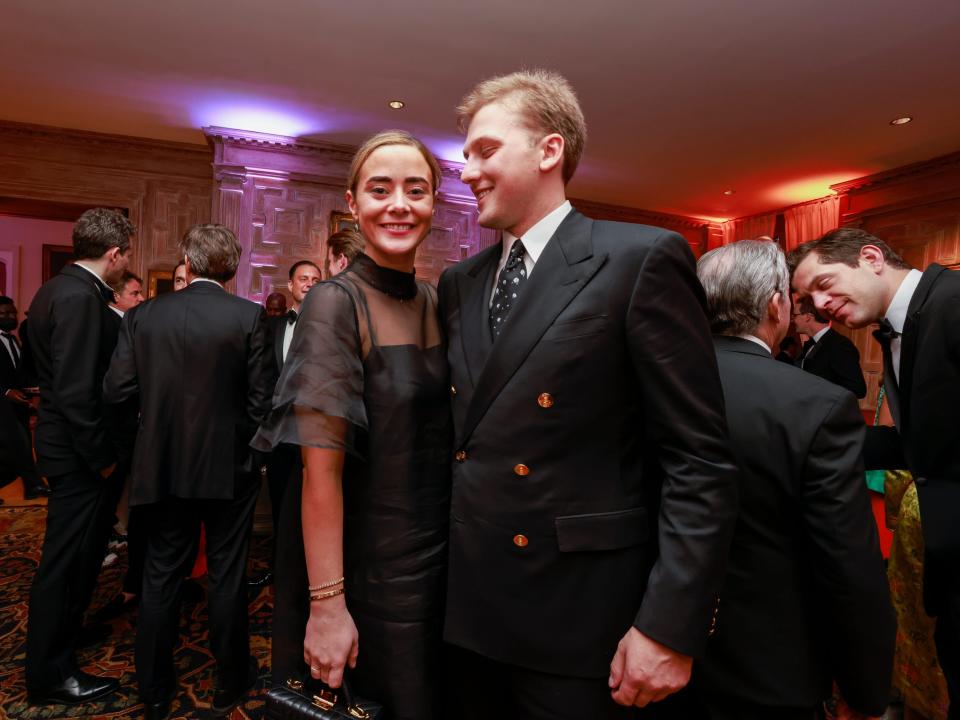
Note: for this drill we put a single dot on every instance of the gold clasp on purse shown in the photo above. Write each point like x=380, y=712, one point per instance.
x=294, y=684
x=358, y=712
x=325, y=700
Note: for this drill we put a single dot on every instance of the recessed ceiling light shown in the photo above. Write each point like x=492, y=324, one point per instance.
x=729, y=192
x=396, y=104
x=901, y=120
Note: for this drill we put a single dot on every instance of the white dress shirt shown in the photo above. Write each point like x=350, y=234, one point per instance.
x=534, y=240
x=897, y=314
x=8, y=344
x=758, y=341
x=288, y=329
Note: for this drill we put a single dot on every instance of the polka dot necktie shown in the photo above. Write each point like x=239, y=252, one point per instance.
x=509, y=284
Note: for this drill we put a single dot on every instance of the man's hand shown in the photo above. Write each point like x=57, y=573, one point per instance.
x=16, y=396
x=644, y=671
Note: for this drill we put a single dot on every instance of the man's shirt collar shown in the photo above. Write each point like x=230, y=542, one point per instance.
x=897, y=312
x=537, y=237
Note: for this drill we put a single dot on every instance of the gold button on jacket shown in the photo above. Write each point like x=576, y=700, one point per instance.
x=521, y=470
x=520, y=540
x=545, y=400
x=460, y=456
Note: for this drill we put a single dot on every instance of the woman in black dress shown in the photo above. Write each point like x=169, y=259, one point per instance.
x=364, y=391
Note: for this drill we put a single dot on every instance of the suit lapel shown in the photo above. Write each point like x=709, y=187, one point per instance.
x=279, y=331
x=908, y=342
x=474, y=289
x=565, y=266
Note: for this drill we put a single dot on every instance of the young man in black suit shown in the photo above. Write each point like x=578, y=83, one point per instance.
x=73, y=332
x=827, y=353
x=855, y=278
x=593, y=491
x=200, y=360
x=805, y=600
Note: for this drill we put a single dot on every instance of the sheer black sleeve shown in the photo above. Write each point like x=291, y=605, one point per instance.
x=321, y=384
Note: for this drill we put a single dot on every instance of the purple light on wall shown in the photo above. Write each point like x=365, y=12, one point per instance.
x=256, y=115
x=445, y=148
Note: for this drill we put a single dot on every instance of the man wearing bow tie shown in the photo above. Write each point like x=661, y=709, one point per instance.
x=73, y=333
x=284, y=481
x=855, y=278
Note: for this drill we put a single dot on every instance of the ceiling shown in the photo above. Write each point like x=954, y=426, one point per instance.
x=683, y=98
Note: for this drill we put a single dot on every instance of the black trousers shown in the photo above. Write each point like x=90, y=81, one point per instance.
x=79, y=516
x=136, y=551
x=291, y=604
x=172, y=527
x=16, y=447
x=688, y=704
x=283, y=465
x=483, y=688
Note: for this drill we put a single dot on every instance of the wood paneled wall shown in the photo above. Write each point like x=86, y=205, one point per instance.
x=164, y=186
x=277, y=194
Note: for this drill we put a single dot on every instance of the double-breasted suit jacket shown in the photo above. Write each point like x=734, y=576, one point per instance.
x=927, y=439
x=592, y=486
x=836, y=359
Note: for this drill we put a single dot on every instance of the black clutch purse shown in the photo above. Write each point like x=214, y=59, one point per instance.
x=296, y=700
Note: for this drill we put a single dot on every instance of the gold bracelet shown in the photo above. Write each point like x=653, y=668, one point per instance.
x=326, y=595
x=324, y=586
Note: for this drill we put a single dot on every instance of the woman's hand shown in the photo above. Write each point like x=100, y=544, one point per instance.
x=331, y=641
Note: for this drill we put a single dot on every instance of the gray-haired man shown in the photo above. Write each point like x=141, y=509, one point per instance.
x=805, y=598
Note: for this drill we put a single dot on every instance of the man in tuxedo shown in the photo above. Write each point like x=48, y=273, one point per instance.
x=855, y=278
x=73, y=333
x=827, y=353
x=342, y=248
x=593, y=492
x=15, y=424
x=805, y=599
x=200, y=360
x=304, y=274
x=285, y=481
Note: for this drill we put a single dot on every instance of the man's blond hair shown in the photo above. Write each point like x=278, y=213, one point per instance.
x=546, y=100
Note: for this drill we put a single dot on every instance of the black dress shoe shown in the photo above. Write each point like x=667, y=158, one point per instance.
x=224, y=701
x=262, y=581
x=32, y=493
x=78, y=688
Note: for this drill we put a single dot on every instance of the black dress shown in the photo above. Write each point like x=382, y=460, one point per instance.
x=368, y=349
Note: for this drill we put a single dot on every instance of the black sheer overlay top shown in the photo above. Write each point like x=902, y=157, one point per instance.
x=368, y=350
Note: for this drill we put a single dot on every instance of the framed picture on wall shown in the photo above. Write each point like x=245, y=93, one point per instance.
x=159, y=282
x=55, y=259
x=342, y=221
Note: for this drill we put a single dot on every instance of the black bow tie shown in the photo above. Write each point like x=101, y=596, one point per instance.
x=291, y=316
x=885, y=333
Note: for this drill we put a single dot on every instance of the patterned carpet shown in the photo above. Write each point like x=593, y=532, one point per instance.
x=21, y=536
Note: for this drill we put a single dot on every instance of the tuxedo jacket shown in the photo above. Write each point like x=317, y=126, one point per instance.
x=72, y=334
x=836, y=359
x=592, y=486
x=805, y=600
x=927, y=439
x=201, y=361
